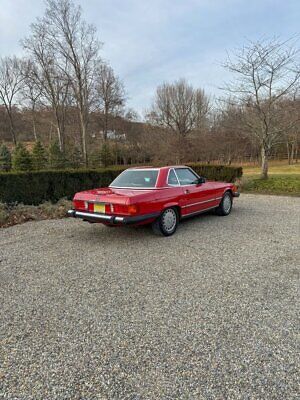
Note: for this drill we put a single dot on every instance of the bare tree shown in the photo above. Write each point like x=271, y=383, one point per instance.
x=11, y=82
x=31, y=93
x=76, y=48
x=181, y=109
x=48, y=77
x=292, y=135
x=266, y=73
x=110, y=94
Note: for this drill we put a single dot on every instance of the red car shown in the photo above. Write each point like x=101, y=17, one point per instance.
x=161, y=196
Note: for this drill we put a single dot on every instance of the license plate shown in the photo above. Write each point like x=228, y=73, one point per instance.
x=99, y=208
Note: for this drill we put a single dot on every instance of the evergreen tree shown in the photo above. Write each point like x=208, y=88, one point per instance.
x=39, y=158
x=21, y=159
x=95, y=159
x=116, y=154
x=5, y=158
x=106, y=155
x=56, y=157
x=75, y=158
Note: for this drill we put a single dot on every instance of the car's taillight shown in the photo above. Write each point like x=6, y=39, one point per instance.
x=124, y=209
x=119, y=209
x=132, y=209
x=80, y=204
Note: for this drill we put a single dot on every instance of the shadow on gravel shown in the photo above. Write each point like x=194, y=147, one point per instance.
x=86, y=232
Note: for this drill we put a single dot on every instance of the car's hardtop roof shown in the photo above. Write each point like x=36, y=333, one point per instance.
x=161, y=168
x=162, y=175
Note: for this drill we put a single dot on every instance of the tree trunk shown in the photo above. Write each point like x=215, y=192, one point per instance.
x=264, y=163
x=105, y=125
x=288, y=152
x=12, y=129
x=60, y=130
x=34, y=129
x=60, y=139
x=83, y=138
x=34, y=123
x=292, y=153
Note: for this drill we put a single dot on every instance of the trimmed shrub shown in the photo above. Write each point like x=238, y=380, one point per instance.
x=40, y=186
x=5, y=159
x=221, y=173
x=21, y=159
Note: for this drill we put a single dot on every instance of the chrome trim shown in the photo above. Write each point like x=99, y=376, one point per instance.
x=143, y=188
x=198, y=212
x=176, y=176
x=134, y=188
x=97, y=201
x=112, y=219
x=92, y=215
x=199, y=202
x=142, y=169
x=168, y=178
x=219, y=198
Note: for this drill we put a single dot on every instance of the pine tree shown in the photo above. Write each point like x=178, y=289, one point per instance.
x=56, y=157
x=39, y=158
x=95, y=159
x=5, y=158
x=105, y=154
x=21, y=159
x=75, y=158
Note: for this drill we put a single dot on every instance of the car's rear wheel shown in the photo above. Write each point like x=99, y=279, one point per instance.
x=225, y=206
x=166, y=224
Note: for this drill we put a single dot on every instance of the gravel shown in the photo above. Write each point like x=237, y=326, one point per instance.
x=89, y=312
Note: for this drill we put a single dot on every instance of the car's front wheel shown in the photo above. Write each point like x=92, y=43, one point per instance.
x=166, y=224
x=226, y=205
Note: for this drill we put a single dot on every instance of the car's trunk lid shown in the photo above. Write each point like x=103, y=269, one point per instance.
x=110, y=195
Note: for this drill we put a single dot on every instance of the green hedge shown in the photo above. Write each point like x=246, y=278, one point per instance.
x=36, y=187
x=221, y=173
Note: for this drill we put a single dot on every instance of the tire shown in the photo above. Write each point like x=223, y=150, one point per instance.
x=166, y=224
x=225, y=206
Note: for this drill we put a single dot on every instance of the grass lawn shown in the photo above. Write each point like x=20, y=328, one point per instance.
x=275, y=168
x=283, y=179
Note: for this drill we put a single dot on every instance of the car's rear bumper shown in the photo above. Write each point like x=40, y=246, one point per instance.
x=112, y=219
x=236, y=194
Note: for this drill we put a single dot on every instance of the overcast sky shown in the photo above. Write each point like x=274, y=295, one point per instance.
x=148, y=42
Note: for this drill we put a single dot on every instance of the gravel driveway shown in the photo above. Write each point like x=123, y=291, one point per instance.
x=89, y=312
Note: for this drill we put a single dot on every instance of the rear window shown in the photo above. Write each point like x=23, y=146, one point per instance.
x=136, y=178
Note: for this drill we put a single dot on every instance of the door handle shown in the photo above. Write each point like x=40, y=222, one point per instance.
x=186, y=191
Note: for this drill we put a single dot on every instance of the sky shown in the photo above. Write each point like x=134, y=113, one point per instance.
x=149, y=42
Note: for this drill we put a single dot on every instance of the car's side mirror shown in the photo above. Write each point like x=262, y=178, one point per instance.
x=201, y=180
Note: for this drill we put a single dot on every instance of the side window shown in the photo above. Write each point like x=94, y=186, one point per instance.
x=186, y=176
x=172, y=180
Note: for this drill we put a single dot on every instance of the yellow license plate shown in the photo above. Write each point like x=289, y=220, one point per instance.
x=99, y=208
